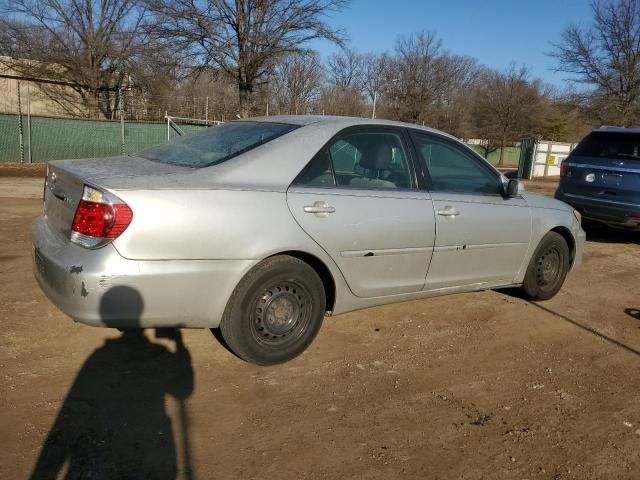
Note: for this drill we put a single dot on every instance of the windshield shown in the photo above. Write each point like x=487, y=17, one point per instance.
x=216, y=144
x=610, y=145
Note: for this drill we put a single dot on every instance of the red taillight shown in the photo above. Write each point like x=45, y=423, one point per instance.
x=100, y=217
x=564, y=167
x=101, y=220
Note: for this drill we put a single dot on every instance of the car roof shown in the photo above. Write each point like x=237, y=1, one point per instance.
x=305, y=120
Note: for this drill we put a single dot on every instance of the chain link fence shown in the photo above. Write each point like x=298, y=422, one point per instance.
x=38, y=127
x=41, y=139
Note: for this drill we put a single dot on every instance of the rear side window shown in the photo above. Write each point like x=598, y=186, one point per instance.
x=318, y=172
x=364, y=159
x=216, y=144
x=610, y=145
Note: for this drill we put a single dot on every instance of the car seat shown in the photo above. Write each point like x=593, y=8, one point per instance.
x=376, y=160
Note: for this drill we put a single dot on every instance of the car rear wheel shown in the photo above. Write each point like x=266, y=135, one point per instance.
x=548, y=268
x=275, y=312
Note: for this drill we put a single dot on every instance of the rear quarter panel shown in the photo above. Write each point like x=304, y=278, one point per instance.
x=216, y=225
x=208, y=224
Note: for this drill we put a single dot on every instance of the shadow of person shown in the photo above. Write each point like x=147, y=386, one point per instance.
x=113, y=423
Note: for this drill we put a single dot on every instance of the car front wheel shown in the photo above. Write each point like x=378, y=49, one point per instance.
x=275, y=311
x=548, y=268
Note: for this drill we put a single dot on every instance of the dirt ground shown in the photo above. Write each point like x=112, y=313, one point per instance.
x=482, y=385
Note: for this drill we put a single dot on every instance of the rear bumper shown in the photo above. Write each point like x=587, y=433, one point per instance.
x=102, y=288
x=617, y=214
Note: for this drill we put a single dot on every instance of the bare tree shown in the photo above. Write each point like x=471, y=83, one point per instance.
x=88, y=46
x=343, y=93
x=606, y=57
x=211, y=95
x=296, y=83
x=506, y=109
x=413, y=73
x=244, y=38
x=374, y=75
x=421, y=76
x=339, y=101
x=345, y=69
x=560, y=117
x=451, y=109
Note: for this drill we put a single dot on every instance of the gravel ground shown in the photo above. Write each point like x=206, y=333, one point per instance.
x=482, y=385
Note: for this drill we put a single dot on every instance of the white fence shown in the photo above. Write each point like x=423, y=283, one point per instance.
x=548, y=156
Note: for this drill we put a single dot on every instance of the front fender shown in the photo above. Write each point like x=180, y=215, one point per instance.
x=548, y=214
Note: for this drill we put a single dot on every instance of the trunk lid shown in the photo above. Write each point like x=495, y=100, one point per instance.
x=62, y=194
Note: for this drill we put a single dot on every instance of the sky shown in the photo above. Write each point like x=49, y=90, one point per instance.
x=496, y=32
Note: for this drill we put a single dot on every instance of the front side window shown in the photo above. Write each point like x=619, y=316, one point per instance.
x=453, y=170
x=361, y=159
x=216, y=144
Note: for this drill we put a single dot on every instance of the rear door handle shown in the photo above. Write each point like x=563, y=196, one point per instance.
x=321, y=209
x=448, y=211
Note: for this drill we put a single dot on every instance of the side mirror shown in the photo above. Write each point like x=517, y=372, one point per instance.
x=513, y=188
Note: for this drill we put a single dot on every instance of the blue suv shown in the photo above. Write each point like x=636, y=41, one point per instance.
x=601, y=177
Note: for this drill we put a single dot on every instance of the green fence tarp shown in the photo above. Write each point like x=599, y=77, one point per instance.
x=59, y=139
x=511, y=156
x=9, y=139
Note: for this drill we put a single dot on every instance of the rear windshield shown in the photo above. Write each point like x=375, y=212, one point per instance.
x=216, y=144
x=610, y=145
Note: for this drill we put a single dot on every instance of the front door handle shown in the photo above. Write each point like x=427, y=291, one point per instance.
x=448, y=211
x=321, y=209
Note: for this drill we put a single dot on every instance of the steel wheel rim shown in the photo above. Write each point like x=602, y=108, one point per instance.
x=281, y=313
x=549, y=268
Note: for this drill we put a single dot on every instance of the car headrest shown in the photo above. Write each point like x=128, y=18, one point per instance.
x=377, y=156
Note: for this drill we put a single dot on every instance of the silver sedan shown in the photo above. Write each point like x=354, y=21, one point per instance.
x=262, y=227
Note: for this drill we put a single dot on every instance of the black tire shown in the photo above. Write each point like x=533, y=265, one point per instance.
x=548, y=268
x=275, y=311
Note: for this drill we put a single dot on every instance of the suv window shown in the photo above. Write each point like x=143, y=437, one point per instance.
x=216, y=144
x=361, y=159
x=610, y=144
x=452, y=169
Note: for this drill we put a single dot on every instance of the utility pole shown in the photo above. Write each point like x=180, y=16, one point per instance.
x=375, y=99
x=121, y=122
x=20, y=129
x=29, y=156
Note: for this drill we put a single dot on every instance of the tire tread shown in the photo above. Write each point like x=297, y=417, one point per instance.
x=231, y=326
x=529, y=286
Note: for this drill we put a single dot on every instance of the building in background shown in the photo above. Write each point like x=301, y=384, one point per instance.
x=47, y=97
